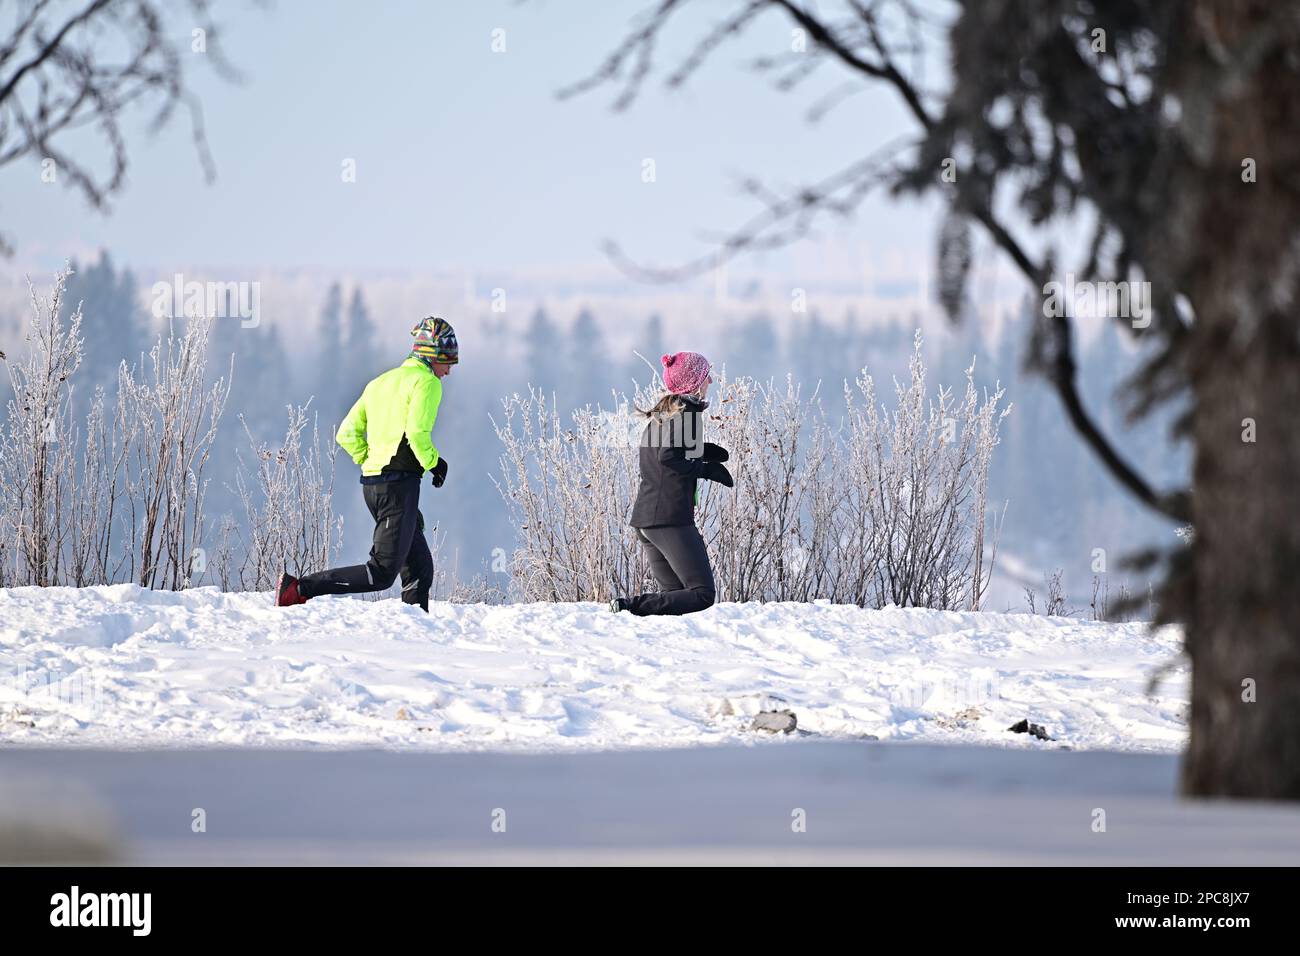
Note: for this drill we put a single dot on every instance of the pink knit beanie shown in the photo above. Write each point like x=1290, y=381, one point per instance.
x=685, y=372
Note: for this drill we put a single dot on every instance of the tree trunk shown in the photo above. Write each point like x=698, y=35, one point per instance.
x=1243, y=621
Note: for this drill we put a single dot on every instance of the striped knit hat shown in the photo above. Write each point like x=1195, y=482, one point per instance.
x=435, y=342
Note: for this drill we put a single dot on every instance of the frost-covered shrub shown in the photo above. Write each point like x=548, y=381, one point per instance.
x=121, y=499
x=38, y=445
x=569, y=489
x=288, y=502
x=167, y=423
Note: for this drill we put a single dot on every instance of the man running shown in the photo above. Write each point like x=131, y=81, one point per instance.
x=388, y=433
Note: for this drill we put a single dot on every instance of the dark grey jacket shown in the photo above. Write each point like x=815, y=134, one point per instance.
x=672, y=460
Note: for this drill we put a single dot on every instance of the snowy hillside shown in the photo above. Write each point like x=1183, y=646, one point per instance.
x=118, y=666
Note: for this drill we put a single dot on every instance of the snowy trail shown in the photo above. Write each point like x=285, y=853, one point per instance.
x=123, y=667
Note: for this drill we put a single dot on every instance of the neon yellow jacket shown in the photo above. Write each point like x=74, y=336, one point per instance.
x=401, y=402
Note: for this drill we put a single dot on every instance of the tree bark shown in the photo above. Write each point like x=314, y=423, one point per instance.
x=1243, y=618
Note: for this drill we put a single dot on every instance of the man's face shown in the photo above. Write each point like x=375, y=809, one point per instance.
x=441, y=370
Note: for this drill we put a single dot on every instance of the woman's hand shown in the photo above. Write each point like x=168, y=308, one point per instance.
x=716, y=471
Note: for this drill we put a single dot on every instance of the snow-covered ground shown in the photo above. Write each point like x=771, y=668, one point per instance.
x=123, y=667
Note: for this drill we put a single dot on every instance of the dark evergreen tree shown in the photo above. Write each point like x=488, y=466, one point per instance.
x=588, y=380
x=363, y=358
x=650, y=344
x=542, y=349
x=753, y=349
x=329, y=351
x=114, y=326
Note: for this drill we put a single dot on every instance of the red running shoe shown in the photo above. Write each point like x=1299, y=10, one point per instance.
x=287, y=594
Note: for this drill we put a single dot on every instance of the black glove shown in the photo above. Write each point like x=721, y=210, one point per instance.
x=716, y=471
x=438, y=473
x=714, y=452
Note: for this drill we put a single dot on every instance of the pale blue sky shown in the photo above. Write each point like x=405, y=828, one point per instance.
x=465, y=159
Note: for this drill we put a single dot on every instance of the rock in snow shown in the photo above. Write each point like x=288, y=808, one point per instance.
x=1025, y=727
x=775, y=722
x=124, y=667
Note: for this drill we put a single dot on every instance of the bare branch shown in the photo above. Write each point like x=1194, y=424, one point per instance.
x=784, y=219
x=65, y=79
x=731, y=27
x=639, y=44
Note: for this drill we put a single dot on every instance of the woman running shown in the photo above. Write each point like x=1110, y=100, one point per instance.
x=673, y=458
